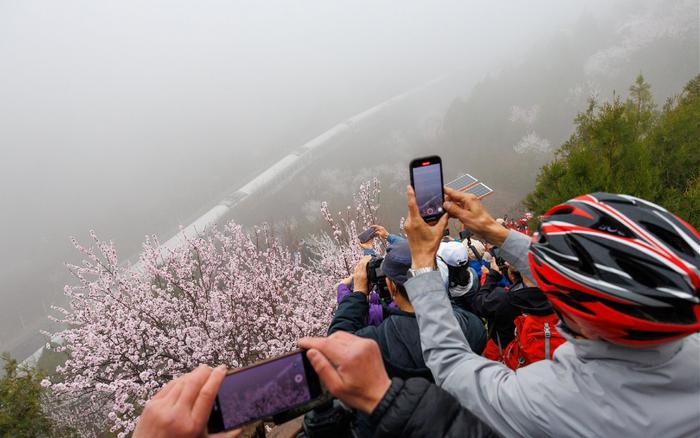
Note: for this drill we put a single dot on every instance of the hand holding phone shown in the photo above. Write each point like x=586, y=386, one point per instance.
x=423, y=238
x=426, y=180
x=181, y=407
x=367, y=235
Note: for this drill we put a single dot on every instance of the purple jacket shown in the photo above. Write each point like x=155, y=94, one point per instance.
x=376, y=313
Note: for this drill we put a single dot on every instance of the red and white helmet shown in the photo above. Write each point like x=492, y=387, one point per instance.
x=620, y=269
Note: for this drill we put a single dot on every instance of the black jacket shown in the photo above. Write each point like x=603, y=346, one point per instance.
x=500, y=307
x=418, y=408
x=398, y=335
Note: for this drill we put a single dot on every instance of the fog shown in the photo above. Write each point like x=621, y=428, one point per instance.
x=130, y=117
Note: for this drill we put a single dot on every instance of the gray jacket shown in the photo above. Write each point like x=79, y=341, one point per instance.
x=590, y=388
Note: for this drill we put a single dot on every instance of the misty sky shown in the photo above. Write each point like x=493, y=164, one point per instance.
x=112, y=108
x=131, y=116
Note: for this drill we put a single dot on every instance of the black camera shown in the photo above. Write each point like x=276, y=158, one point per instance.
x=331, y=419
x=376, y=279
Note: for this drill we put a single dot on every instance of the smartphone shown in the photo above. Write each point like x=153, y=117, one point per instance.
x=426, y=179
x=264, y=390
x=366, y=235
x=480, y=190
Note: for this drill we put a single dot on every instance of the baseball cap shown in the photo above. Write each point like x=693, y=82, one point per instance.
x=453, y=253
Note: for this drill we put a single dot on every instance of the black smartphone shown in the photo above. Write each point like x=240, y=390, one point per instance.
x=366, y=235
x=426, y=179
x=264, y=390
x=465, y=234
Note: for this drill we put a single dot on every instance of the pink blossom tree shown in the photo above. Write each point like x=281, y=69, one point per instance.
x=336, y=250
x=226, y=297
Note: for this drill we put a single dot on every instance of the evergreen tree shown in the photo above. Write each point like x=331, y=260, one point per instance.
x=629, y=147
x=21, y=394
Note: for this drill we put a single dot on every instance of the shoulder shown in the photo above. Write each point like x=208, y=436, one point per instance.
x=371, y=332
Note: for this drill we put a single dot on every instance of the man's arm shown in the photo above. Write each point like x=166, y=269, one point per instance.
x=418, y=408
x=488, y=389
x=489, y=297
x=351, y=314
x=515, y=249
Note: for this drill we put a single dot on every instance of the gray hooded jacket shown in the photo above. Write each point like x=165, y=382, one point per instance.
x=590, y=388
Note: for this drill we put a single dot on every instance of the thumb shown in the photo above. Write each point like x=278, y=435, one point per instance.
x=453, y=209
x=326, y=371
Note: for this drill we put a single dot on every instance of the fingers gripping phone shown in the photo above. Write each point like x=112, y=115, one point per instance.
x=264, y=390
x=426, y=180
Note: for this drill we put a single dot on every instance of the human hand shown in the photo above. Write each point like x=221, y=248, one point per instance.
x=351, y=368
x=360, y=275
x=494, y=265
x=469, y=210
x=181, y=409
x=380, y=231
x=423, y=239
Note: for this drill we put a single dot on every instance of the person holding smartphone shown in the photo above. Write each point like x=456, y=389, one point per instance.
x=351, y=368
x=628, y=296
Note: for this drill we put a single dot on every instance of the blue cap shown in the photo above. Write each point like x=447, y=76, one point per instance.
x=397, y=262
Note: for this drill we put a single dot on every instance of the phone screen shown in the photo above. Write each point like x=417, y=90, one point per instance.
x=265, y=390
x=426, y=177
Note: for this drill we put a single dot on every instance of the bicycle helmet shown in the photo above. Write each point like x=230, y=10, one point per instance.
x=620, y=269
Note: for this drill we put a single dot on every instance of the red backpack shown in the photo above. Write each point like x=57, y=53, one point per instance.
x=536, y=338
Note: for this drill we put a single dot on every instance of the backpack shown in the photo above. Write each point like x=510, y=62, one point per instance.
x=536, y=338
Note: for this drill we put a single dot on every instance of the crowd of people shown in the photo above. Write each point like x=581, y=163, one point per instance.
x=589, y=327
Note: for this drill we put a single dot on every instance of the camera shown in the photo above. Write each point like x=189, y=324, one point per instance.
x=465, y=234
x=330, y=419
x=377, y=279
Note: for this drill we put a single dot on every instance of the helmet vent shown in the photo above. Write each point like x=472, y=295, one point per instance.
x=670, y=238
x=585, y=262
x=562, y=209
x=638, y=271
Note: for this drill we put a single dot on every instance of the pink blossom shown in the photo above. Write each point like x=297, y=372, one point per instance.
x=226, y=296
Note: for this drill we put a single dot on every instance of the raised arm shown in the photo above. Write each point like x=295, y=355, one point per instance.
x=352, y=312
x=488, y=389
x=469, y=210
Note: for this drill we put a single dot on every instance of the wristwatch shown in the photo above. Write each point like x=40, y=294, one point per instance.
x=420, y=271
